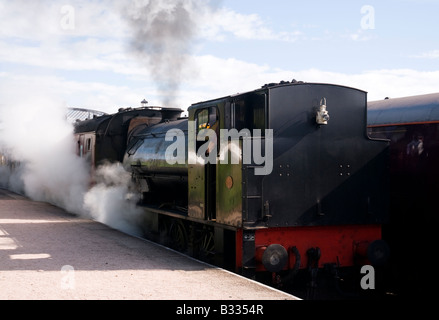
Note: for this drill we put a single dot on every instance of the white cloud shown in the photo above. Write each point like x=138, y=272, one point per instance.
x=433, y=54
x=45, y=19
x=87, y=54
x=216, y=78
x=217, y=24
x=81, y=94
x=380, y=83
x=221, y=77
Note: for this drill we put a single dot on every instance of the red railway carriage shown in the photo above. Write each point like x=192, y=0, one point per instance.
x=411, y=124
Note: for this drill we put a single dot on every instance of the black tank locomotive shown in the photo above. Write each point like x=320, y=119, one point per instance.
x=320, y=197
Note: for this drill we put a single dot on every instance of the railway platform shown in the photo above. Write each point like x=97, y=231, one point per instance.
x=49, y=254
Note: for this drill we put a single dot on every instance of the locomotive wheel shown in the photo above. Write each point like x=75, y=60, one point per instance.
x=178, y=236
x=207, y=246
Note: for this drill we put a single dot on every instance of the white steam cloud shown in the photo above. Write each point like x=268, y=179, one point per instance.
x=34, y=131
x=38, y=159
x=111, y=202
x=33, y=128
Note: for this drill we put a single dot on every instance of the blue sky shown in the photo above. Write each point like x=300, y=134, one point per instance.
x=403, y=30
x=81, y=52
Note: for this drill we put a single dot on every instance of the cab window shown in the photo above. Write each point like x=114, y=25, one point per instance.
x=249, y=112
x=207, y=119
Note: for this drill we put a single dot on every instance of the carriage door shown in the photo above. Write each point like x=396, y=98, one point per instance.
x=203, y=174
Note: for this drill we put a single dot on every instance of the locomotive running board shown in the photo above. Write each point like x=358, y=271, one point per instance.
x=176, y=215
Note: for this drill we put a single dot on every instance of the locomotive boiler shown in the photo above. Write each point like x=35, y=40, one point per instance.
x=276, y=180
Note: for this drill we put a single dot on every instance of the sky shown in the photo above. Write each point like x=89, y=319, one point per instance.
x=108, y=54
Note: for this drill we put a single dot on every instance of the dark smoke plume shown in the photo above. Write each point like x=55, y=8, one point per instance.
x=163, y=34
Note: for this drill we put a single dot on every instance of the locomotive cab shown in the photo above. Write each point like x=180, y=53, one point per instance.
x=216, y=180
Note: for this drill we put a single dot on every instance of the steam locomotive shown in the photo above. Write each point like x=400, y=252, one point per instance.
x=273, y=181
x=411, y=124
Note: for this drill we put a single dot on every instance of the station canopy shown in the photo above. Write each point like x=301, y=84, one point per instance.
x=77, y=114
